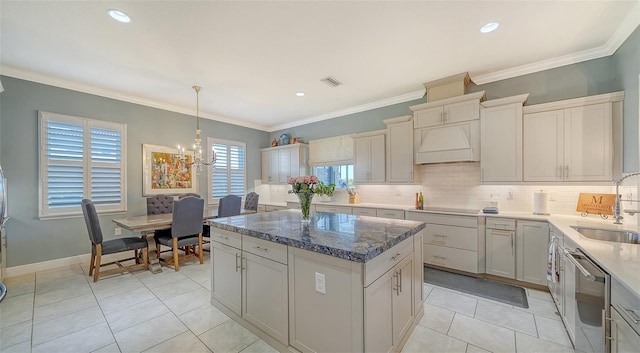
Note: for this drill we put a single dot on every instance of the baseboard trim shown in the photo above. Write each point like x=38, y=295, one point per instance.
x=46, y=265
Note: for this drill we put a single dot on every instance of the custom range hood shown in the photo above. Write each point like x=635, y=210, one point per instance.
x=447, y=127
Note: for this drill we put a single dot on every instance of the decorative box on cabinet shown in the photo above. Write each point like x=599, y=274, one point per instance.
x=447, y=111
x=369, y=157
x=399, y=161
x=501, y=139
x=573, y=140
x=282, y=162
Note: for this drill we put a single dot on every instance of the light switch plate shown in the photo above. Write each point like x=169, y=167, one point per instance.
x=320, y=283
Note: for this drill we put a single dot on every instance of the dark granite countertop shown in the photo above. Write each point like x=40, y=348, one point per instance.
x=350, y=237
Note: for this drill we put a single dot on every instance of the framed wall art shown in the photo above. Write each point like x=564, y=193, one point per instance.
x=164, y=173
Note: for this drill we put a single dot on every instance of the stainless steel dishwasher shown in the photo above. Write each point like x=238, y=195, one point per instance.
x=592, y=298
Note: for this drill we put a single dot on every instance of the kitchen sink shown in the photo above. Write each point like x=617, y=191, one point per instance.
x=618, y=236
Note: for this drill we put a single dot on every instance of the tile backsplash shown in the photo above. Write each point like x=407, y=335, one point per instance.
x=458, y=186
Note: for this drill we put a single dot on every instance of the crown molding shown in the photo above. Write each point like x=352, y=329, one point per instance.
x=624, y=30
x=360, y=108
x=84, y=88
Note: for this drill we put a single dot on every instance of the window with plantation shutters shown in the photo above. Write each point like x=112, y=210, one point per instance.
x=228, y=173
x=80, y=158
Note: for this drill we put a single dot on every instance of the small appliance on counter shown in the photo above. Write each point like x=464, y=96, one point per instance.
x=490, y=210
x=353, y=195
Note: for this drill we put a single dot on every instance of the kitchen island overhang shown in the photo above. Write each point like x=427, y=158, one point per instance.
x=342, y=282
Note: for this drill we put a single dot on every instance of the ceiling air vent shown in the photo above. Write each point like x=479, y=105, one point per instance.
x=331, y=81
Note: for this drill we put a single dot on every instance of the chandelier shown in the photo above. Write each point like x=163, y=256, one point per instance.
x=196, y=158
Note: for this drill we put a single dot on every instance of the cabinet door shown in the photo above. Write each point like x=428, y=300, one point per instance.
x=266, y=167
x=428, y=117
x=378, y=325
x=532, y=241
x=625, y=340
x=226, y=281
x=378, y=157
x=588, y=143
x=569, y=304
x=462, y=111
x=500, y=253
x=501, y=143
x=362, y=159
x=400, y=152
x=274, y=167
x=542, y=149
x=284, y=165
x=402, y=299
x=265, y=296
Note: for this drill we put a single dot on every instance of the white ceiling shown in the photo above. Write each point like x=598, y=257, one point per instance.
x=252, y=57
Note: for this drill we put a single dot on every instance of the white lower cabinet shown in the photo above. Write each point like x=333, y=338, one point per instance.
x=226, y=282
x=451, y=241
x=265, y=296
x=389, y=308
x=624, y=338
x=250, y=285
x=501, y=253
x=532, y=245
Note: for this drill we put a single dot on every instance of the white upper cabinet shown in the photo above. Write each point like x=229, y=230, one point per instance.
x=400, y=166
x=501, y=139
x=447, y=111
x=369, y=157
x=281, y=163
x=572, y=140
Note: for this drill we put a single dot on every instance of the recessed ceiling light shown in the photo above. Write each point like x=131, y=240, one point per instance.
x=489, y=27
x=119, y=16
x=299, y=94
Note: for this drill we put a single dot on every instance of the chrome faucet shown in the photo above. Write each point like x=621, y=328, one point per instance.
x=616, y=209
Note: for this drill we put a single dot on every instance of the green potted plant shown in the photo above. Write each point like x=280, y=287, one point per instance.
x=325, y=191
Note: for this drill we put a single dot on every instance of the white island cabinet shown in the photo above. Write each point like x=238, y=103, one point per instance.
x=337, y=284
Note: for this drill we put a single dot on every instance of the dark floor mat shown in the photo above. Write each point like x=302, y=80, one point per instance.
x=502, y=292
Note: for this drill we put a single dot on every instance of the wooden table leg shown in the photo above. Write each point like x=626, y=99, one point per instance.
x=154, y=262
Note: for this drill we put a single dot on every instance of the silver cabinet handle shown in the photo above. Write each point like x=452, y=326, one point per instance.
x=393, y=258
x=566, y=172
x=584, y=271
x=261, y=248
x=400, y=281
x=395, y=286
x=244, y=262
x=237, y=262
x=629, y=313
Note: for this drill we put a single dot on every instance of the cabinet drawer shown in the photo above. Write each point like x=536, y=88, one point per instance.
x=333, y=209
x=386, y=213
x=501, y=223
x=463, y=260
x=225, y=237
x=267, y=249
x=445, y=219
x=453, y=237
x=380, y=264
x=361, y=211
x=627, y=303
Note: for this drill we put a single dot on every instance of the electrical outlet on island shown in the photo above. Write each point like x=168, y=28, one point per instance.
x=118, y=231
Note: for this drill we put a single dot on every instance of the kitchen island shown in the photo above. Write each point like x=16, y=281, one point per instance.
x=341, y=283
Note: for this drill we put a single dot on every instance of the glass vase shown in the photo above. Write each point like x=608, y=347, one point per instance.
x=305, y=205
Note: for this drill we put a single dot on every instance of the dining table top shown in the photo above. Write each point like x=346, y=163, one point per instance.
x=161, y=221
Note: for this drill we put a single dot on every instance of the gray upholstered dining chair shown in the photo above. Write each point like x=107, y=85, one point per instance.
x=186, y=229
x=229, y=206
x=100, y=247
x=159, y=204
x=251, y=201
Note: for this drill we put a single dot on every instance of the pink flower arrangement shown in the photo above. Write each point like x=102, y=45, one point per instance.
x=303, y=184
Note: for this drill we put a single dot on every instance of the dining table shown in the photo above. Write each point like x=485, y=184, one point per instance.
x=147, y=225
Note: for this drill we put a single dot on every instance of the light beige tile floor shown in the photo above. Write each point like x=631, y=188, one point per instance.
x=62, y=310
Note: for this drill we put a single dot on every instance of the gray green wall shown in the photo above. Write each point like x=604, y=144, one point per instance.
x=626, y=68
x=349, y=124
x=30, y=240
